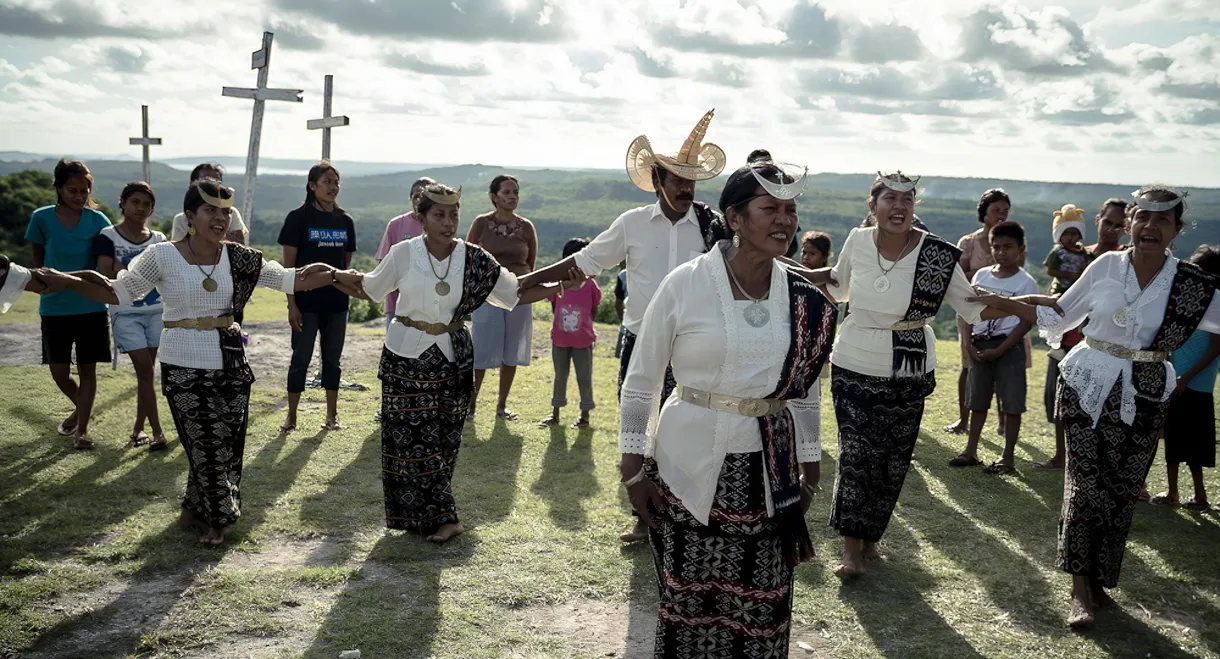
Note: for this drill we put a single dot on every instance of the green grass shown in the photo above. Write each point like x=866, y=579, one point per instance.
x=89, y=543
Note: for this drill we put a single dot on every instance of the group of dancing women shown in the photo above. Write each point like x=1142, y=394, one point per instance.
x=725, y=343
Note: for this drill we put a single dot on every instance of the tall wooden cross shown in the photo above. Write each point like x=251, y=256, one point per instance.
x=260, y=60
x=145, y=142
x=327, y=122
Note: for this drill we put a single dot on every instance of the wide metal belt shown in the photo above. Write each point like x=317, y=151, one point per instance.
x=1134, y=355
x=732, y=404
x=201, y=324
x=435, y=329
x=904, y=325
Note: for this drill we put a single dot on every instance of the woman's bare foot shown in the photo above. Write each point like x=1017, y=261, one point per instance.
x=446, y=533
x=1054, y=464
x=185, y=518
x=289, y=424
x=82, y=443
x=1081, y=615
x=215, y=537
x=1102, y=599
x=851, y=567
x=636, y=534
x=871, y=555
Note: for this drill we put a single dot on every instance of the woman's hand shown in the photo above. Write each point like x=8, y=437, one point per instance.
x=312, y=268
x=811, y=476
x=1051, y=301
x=295, y=318
x=643, y=492
x=576, y=279
x=54, y=280
x=819, y=277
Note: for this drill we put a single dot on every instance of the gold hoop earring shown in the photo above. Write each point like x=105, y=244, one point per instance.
x=191, y=231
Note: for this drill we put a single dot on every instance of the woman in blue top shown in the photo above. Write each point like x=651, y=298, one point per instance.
x=1190, y=424
x=61, y=237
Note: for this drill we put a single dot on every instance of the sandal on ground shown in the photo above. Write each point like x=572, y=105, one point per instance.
x=965, y=461
x=1048, y=465
x=1163, y=499
x=65, y=431
x=1198, y=506
x=582, y=423
x=1000, y=468
x=287, y=427
x=956, y=428
x=82, y=444
x=158, y=443
x=333, y=424
x=506, y=415
x=137, y=439
x=548, y=422
x=1144, y=495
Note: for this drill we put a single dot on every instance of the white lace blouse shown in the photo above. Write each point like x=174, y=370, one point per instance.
x=864, y=343
x=694, y=323
x=411, y=271
x=14, y=286
x=1106, y=285
x=163, y=267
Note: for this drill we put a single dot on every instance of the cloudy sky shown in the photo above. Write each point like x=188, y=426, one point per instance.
x=1117, y=91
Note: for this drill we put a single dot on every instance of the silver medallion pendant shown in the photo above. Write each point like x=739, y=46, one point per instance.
x=209, y=285
x=1120, y=317
x=881, y=284
x=757, y=315
x=442, y=288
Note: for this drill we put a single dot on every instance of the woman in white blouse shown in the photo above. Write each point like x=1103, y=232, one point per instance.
x=895, y=278
x=204, y=281
x=737, y=445
x=1114, y=387
x=427, y=366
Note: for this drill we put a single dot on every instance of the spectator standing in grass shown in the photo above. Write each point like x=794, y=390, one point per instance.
x=61, y=237
x=572, y=340
x=318, y=232
x=1190, y=423
x=503, y=338
x=137, y=326
x=997, y=350
x=403, y=227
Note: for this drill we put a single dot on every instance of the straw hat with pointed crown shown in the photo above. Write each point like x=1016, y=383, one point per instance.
x=696, y=161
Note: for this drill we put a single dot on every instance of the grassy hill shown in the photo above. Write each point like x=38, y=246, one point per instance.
x=564, y=204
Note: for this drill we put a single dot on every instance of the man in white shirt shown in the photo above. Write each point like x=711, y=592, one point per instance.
x=653, y=239
x=237, y=228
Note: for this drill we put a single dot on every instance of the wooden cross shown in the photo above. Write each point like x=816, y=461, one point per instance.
x=260, y=60
x=146, y=142
x=327, y=122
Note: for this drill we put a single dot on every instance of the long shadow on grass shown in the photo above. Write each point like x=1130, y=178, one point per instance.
x=890, y=605
x=271, y=473
x=129, y=622
x=354, y=499
x=392, y=607
x=642, y=606
x=485, y=479
x=567, y=478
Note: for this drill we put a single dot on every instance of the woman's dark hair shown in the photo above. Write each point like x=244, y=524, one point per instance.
x=758, y=155
x=197, y=173
x=574, y=245
x=1009, y=229
x=500, y=180
x=821, y=241
x=1113, y=201
x=1207, y=257
x=742, y=187
x=1159, y=192
x=990, y=197
x=425, y=202
x=66, y=170
x=315, y=174
x=134, y=187
x=214, y=188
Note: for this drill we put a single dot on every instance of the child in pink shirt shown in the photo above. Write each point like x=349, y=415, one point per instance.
x=403, y=227
x=572, y=339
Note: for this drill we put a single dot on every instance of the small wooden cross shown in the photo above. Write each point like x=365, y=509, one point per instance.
x=145, y=142
x=260, y=60
x=327, y=122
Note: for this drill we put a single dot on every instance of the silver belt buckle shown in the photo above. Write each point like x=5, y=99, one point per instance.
x=751, y=407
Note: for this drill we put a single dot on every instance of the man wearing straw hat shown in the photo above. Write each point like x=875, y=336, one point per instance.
x=654, y=239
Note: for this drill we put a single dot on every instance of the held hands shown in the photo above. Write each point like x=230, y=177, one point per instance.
x=642, y=492
x=1180, y=388
x=576, y=279
x=988, y=355
x=314, y=268
x=811, y=476
x=53, y=280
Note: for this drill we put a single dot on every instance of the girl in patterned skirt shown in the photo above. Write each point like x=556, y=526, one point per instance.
x=427, y=365
x=1115, y=386
x=203, y=281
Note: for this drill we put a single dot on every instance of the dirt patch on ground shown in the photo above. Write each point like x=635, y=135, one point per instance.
x=269, y=350
x=590, y=628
